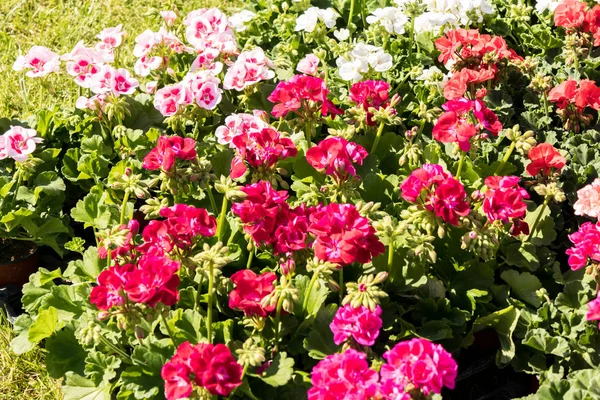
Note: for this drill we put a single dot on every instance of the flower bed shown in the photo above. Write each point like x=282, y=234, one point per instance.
x=358, y=200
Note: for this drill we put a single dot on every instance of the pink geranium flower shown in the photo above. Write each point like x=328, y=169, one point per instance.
x=250, y=290
x=39, y=61
x=250, y=68
x=336, y=156
x=110, y=38
x=168, y=16
x=586, y=243
x=210, y=366
x=168, y=150
x=360, y=323
x=18, y=143
x=421, y=363
x=588, y=200
x=344, y=376
x=171, y=99
x=308, y=65
x=593, y=313
x=303, y=95
x=504, y=202
x=239, y=125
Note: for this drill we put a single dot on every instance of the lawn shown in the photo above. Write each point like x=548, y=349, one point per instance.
x=59, y=25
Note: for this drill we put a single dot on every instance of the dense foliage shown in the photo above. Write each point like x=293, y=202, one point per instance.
x=331, y=200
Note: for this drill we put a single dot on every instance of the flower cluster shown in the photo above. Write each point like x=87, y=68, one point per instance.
x=169, y=149
x=576, y=15
x=473, y=57
x=18, y=143
x=504, y=202
x=425, y=365
x=307, y=22
x=208, y=31
x=544, y=159
x=463, y=121
x=586, y=243
x=343, y=236
x=361, y=60
x=144, y=273
x=209, y=366
x=336, y=157
x=344, y=376
x=250, y=68
x=303, y=95
x=240, y=125
x=572, y=98
x=39, y=61
x=250, y=290
x=416, y=364
x=360, y=323
x=370, y=94
x=588, y=200
x=261, y=149
x=436, y=190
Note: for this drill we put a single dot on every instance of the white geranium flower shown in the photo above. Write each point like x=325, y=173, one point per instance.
x=329, y=17
x=237, y=21
x=351, y=70
x=391, y=18
x=307, y=22
x=341, y=34
x=543, y=5
x=380, y=61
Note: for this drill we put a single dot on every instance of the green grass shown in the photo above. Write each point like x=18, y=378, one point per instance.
x=24, y=376
x=59, y=25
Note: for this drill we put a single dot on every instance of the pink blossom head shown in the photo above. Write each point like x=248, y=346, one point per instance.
x=422, y=179
x=250, y=68
x=18, y=143
x=145, y=42
x=168, y=16
x=588, y=200
x=336, y=156
x=171, y=99
x=586, y=246
x=204, y=88
x=418, y=361
x=593, y=313
x=343, y=376
x=362, y=324
x=111, y=37
x=309, y=65
x=39, y=61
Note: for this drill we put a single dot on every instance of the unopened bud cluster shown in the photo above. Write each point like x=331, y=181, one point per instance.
x=366, y=291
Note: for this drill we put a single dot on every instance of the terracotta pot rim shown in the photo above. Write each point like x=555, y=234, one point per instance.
x=35, y=252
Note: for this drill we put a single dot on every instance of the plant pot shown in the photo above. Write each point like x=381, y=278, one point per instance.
x=24, y=264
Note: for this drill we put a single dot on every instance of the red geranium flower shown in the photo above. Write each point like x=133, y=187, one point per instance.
x=249, y=291
x=544, y=157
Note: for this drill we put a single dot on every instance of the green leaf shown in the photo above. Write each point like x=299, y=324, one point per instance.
x=316, y=298
x=541, y=340
x=319, y=342
x=100, y=367
x=66, y=354
x=50, y=183
x=523, y=285
x=77, y=387
x=280, y=371
x=87, y=269
x=544, y=233
x=522, y=255
x=20, y=344
x=44, y=326
x=504, y=322
x=91, y=212
x=140, y=385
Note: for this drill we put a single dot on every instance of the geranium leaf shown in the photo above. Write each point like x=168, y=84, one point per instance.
x=100, y=367
x=67, y=354
x=44, y=325
x=77, y=387
x=316, y=298
x=541, y=340
x=504, y=322
x=319, y=342
x=280, y=371
x=544, y=233
x=523, y=285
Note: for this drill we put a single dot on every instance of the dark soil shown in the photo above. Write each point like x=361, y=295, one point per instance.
x=15, y=250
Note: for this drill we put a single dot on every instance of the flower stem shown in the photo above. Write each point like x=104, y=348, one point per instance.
x=19, y=176
x=377, y=137
x=168, y=329
x=341, y=283
x=505, y=158
x=308, y=290
x=390, y=262
x=308, y=133
x=460, y=164
x=250, y=259
x=277, y=323
x=211, y=280
x=545, y=98
x=114, y=348
x=197, y=299
x=538, y=218
x=213, y=205
x=124, y=207
x=362, y=13
x=222, y=218
x=351, y=13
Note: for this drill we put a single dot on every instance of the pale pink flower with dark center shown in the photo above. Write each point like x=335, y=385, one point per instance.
x=39, y=61
x=588, y=200
x=19, y=143
x=171, y=99
x=111, y=37
x=309, y=65
x=169, y=17
x=251, y=67
x=205, y=89
x=122, y=82
x=83, y=62
x=94, y=103
x=145, y=42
